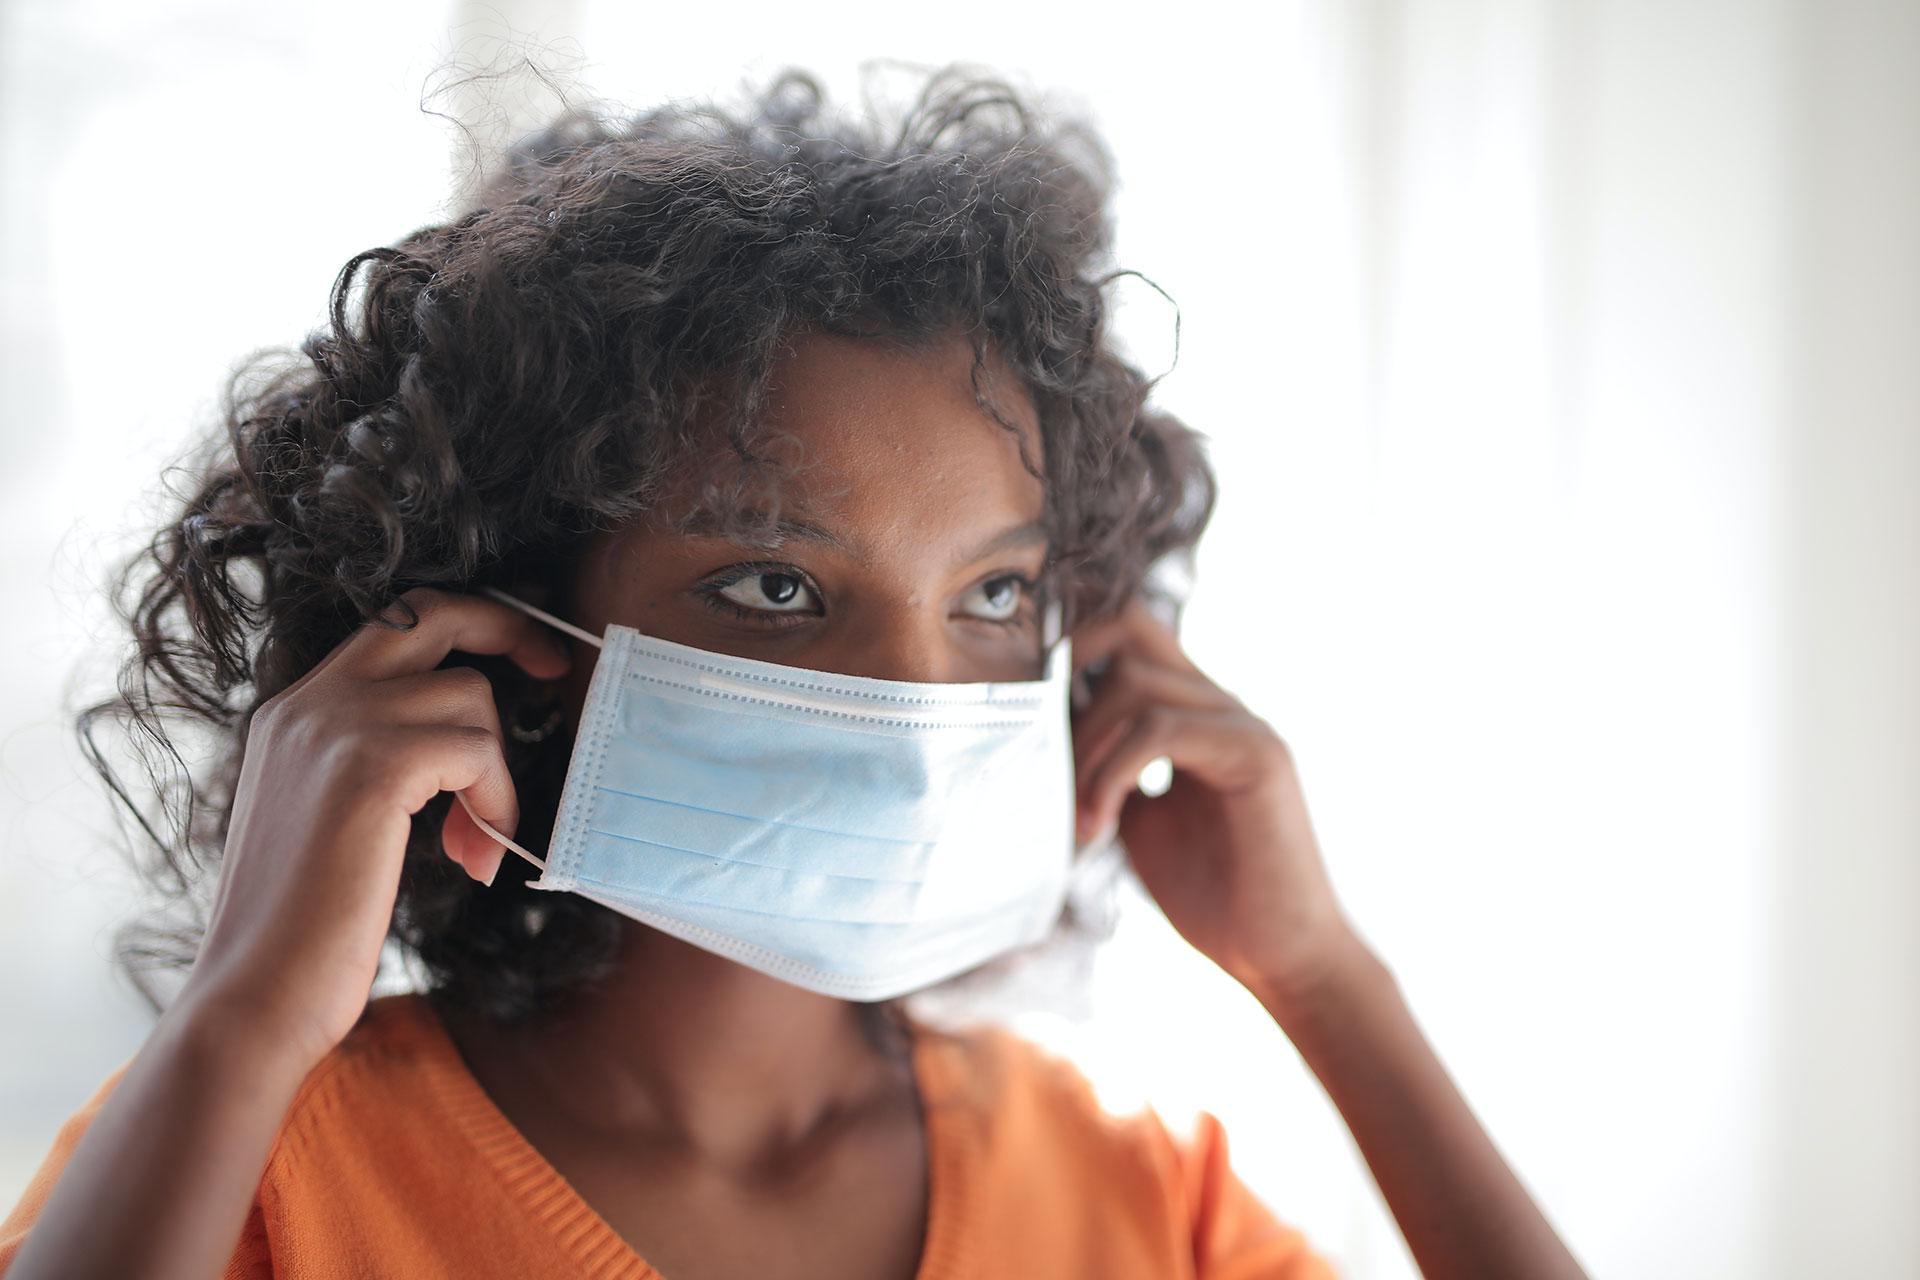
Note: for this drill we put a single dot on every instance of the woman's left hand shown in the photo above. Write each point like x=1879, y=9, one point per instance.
x=1227, y=850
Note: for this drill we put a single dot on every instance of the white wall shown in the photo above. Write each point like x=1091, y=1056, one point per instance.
x=164, y=209
x=1845, y=949
x=1558, y=355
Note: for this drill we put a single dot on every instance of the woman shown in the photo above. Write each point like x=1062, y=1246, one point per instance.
x=821, y=414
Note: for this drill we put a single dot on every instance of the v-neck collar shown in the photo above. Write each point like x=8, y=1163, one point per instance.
x=540, y=1192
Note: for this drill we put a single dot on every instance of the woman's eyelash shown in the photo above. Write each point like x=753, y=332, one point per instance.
x=720, y=604
x=710, y=591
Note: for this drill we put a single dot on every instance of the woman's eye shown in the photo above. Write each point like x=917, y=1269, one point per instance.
x=770, y=592
x=996, y=599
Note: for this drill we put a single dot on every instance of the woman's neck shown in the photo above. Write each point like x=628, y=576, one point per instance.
x=682, y=1046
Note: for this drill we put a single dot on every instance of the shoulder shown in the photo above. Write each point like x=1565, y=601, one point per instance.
x=1028, y=1089
x=376, y=1111
x=39, y=1188
x=1035, y=1093
x=389, y=1061
x=343, y=1110
x=1041, y=1145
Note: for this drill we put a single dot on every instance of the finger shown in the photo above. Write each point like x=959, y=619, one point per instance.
x=493, y=796
x=1134, y=629
x=448, y=621
x=1214, y=745
x=458, y=757
x=1131, y=684
x=445, y=695
x=479, y=853
x=450, y=695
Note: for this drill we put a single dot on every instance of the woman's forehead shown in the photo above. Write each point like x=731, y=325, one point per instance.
x=849, y=391
x=854, y=431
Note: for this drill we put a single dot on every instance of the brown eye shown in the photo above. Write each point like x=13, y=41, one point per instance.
x=996, y=599
x=771, y=592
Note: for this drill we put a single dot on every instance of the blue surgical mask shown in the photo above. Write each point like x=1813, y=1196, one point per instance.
x=858, y=837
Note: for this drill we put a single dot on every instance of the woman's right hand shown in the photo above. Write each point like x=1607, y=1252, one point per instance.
x=335, y=767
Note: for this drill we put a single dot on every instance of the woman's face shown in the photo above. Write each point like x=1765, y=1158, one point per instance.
x=909, y=541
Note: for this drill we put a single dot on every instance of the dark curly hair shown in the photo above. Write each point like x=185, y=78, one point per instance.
x=493, y=389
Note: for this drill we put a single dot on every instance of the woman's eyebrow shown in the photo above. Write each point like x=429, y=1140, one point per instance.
x=764, y=533
x=1020, y=535
x=807, y=531
x=772, y=534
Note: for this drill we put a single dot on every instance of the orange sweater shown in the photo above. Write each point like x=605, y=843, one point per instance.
x=373, y=1174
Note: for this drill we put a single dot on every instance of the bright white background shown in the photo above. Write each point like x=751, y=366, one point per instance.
x=1559, y=357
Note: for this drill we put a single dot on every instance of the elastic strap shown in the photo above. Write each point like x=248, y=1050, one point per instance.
x=487, y=827
x=571, y=630
x=544, y=616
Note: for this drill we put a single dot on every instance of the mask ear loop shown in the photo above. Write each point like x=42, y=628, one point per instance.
x=506, y=841
x=579, y=633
